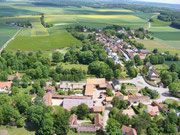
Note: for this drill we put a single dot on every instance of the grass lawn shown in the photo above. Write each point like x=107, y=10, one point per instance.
x=133, y=91
x=156, y=22
x=79, y=66
x=16, y=131
x=171, y=62
x=170, y=101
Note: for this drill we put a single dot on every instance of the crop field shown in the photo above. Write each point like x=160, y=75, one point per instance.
x=40, y=38
x=151, y=44
x=6, y=32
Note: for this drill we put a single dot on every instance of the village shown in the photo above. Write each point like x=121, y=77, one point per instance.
x=95, y=96
x=133, y=95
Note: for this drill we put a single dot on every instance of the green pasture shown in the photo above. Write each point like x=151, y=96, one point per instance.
x=171, y=62
x=6, y=32
x=17, y=131
x=156, y=22
x=173, y=36
x=161, y=45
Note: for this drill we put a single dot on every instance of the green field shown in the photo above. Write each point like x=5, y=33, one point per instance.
x=40, y=38
x=160, y=45
x=171, y=62
x=17, y=131
x=6, y=32
x=173, y=36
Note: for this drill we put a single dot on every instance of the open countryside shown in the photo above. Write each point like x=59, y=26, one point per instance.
x=73, y=67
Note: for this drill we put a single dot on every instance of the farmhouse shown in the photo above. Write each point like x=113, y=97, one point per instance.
x=47, y=98
x=153, y=75
x=161, y=108
x=129, y=112
x=5, y=86
x=128, y=130
x=11, y=77
x=89, y=128
x=97, y=109
x=152, y=110
x=69, y=103
x=99, y=83
x=50, y=89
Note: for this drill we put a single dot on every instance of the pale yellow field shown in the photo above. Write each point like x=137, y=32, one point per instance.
x=110, y=16
x=38, y=29
x=114, y=10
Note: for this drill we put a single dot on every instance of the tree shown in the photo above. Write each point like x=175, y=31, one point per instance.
x=110, y=62
x=145, y=70
x=61, y=121
x=35, y=115
x=3, y=76
x=113, y=127
x=82, y=111
x=57, y=57
x=174, y=88
x=117, y=74
x=109, y=92
x=132, y=72
x=173, y=118
x=123, y=119
x=14, y=91
x=46, y=126
x=120, y=104
x=138, y=60
x=173, y=67
x=155, y=50
x=166, y=78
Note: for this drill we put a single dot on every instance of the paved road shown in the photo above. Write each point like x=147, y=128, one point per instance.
x=139, y=82
x=106, y=115
x=125, y=55
x=4, y=46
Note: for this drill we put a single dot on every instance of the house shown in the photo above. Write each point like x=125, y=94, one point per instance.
x=5, y=86
x=88, y=128
x=69, y=103
x=142, y=56
x=77, y=86
x=47, y=98
x=73, y=120
x=144, y=51
x=118, y=94
x=97, y=109
x=18, y=75
x=128, y=130
x=153, y=74
x=161, y=108
x=109, y=99
x=64, y=86
x=149, y=65
x=116, y=84
x=50, y=89
x=99, y=83
x=129, y=112
x=138, y=99
x=152, y=110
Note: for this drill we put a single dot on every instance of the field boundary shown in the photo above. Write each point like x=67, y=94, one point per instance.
x=12, y=38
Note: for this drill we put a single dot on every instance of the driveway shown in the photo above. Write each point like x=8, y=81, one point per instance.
x=139, y=82
x=96, y=94
x=106, y=114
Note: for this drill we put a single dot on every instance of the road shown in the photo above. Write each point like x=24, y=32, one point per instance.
x=125, y=55
x=106, y=115
x=5, y=45
x=139, y=82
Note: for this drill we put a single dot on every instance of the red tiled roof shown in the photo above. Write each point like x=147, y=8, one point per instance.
x=47, y=98
x=98, y=108
x=128, y=130
x=50, y=88
x=73, y=119
x=98, y=120
x=5, y=84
